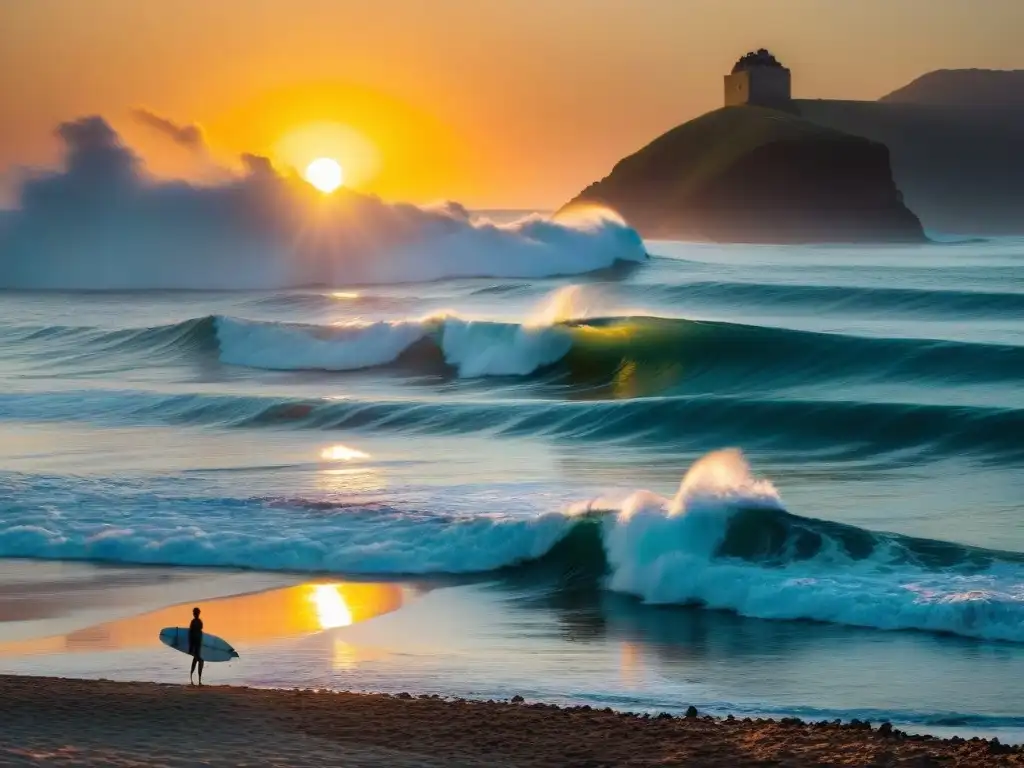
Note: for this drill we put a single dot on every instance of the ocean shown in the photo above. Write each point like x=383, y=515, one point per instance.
x=756, y=479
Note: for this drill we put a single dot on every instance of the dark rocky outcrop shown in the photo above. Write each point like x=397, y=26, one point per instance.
x=749, y=174
x=960, y=166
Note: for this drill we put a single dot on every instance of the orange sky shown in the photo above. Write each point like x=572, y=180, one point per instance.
x=494, y=103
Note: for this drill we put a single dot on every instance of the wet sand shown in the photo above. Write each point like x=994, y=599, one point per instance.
x=50, y=721
x=39, y=598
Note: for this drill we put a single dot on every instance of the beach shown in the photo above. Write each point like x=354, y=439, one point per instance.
x=51, y=721
x=344, y=369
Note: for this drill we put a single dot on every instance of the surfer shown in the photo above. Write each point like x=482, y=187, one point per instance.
x=195, y=645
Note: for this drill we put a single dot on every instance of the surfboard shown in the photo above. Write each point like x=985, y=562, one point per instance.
x=212, y=649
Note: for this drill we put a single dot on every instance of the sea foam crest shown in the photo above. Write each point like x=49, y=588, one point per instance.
x=475, y=348
x=666, y=551
x=341, y=536
x=293, y=346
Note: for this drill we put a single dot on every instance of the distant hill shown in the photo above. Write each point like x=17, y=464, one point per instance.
x=961, y=168
x=963, y=88
x=749, y=174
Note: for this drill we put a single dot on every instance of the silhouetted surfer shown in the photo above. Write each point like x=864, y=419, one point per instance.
x=195, y=645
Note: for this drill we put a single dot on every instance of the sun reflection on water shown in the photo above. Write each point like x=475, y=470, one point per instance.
x=347, y=656
x=331, y=609
x=244, y=620
x=339, y=452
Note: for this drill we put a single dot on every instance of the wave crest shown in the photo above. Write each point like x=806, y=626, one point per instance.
x=102, y=224
x=724, y=541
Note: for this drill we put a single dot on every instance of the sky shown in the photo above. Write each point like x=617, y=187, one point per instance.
x=493, y=103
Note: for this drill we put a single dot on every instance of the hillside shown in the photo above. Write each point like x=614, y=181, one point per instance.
x=748, y=174
x=961, y=169
x=964, y=88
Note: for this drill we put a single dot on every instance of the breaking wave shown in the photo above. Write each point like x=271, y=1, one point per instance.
x=102, y=224
x=473, y=348
x=646, y=380
x=724, y=541
x=644, y=354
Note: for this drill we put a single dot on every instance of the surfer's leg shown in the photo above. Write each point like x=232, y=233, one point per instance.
x=193, y=651
x=201, y=664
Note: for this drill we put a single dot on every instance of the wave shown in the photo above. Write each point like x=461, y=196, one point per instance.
x=474, y=349
x=628, y=355
x=724, y=541
x=362, y=301
x=822, y=299
x=101, y=223
x=829, y=429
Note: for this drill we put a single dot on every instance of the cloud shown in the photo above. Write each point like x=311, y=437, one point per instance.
x=102, y=223
x=188, y=136
x=95, y=154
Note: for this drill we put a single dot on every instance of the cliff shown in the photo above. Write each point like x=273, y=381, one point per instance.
x=956, y=138
x=747, y=174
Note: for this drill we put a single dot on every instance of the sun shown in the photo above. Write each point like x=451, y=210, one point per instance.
x=325, y=174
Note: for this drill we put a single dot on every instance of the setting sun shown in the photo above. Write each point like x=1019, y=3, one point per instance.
x=325, y=174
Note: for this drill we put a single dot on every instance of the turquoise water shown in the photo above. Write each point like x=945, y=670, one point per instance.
x=757, y=479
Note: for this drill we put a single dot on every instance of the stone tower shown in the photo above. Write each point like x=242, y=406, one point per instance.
x=758, y=79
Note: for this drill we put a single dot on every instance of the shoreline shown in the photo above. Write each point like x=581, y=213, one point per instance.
x=95, y=623
x=100, y=722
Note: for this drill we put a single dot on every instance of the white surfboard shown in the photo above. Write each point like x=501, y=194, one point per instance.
x=212, y=649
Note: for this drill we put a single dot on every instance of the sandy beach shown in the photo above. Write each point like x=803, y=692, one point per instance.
x=51, y=721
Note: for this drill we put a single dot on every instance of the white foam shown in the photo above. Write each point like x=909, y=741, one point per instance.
x=102, y=223
x=474, y=348
x=502, y=349
x=289, y=347
x=662, y=550
x=62, y=519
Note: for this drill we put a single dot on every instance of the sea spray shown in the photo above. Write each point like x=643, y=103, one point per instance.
x=658, y=547
x=670, y=551
x=101, y=223
x=570, y=302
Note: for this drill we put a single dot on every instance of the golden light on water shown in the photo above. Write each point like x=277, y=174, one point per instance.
x=347, y=656
x=331, y=609
x=326, y=174
x=243, y=620
x=630, y=664
x=357, y=479
x=339, y=452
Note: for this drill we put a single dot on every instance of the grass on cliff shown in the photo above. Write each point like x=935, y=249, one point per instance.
x=684, y=159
